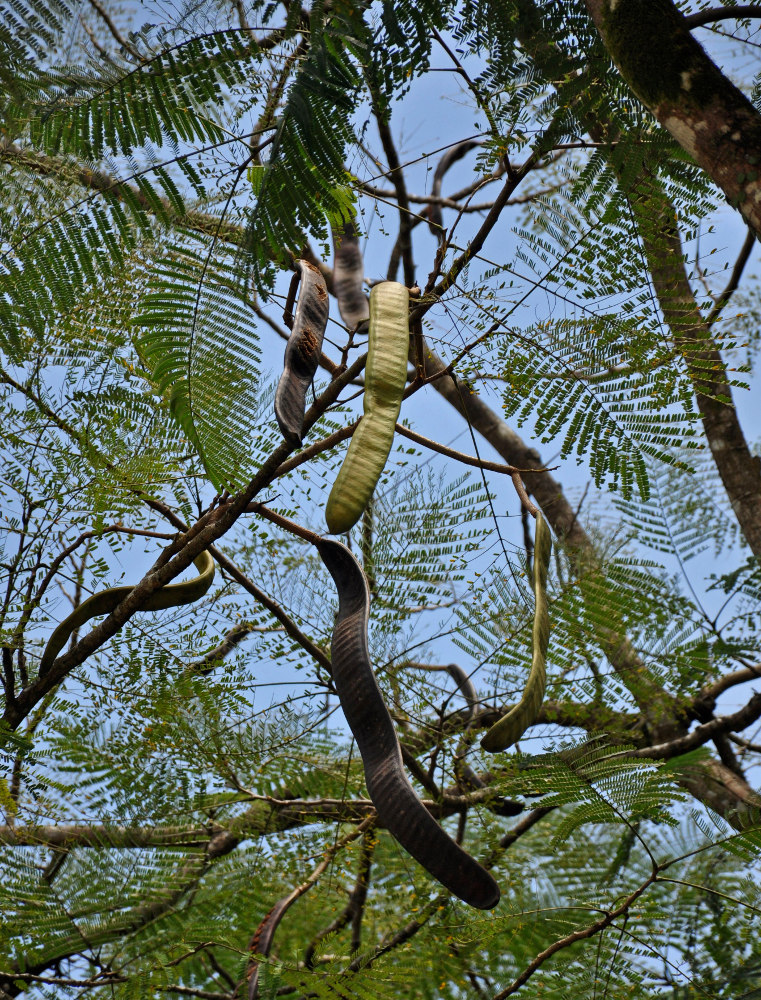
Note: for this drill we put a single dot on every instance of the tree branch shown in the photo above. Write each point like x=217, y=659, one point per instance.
x=721, y=13
x=672, y=75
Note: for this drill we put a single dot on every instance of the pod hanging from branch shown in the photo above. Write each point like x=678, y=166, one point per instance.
x=385, y=378
x=103, y=603
x=398, y=807
x=302, y=352
x=512, y=726
x=348, y=275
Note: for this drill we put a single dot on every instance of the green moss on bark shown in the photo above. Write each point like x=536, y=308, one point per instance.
x=651, y=45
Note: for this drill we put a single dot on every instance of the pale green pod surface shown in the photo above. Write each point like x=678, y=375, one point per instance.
x=385, y=378
x=512, y=726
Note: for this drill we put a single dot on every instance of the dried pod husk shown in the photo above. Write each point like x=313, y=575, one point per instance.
x=512, y=726
x=399, y=809
x=261, y=942
x=435, y=216
x=104, y=602
x=348, y=276
x=385, y=378
x=302, y=352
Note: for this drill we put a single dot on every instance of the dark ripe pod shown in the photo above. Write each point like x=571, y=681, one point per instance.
x=348, y=276
x=302, y=352
x=399, y=809
x=512, y=726
x=261, y=942
x=436, y=219
x=103, y=603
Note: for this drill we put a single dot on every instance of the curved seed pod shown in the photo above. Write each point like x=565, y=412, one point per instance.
x=348, y=275
x=261, y=942
x=104, y=603
x=385, y=378
x=399, y=809
x=436, y=219
x=512, y=726
x=302, y=352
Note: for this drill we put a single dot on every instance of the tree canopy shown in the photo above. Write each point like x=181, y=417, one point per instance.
x=185, y=812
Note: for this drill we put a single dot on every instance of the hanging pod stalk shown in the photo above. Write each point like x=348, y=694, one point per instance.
x=385, y=378
x=398, y=807
x=302, y=352
x=512, y=726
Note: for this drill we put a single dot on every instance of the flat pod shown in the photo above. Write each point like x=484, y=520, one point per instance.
x=106, y=601
x=302, y=352
x=348, y=276
x=385, y=378
x=399, y=809
x=512, y=726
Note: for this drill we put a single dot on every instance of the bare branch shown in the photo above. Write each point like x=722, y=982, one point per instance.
x=572, y=938
x=123, y=43
x=734, y=279
x=701, y=734
x=721, y=14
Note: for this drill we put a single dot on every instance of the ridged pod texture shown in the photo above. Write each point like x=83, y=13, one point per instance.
x=398, y=807
x=348, y=276
x=302, y=352
x=512, y=726
x=385, y=378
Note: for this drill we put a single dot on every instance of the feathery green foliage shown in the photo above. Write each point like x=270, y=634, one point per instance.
x=180, y=773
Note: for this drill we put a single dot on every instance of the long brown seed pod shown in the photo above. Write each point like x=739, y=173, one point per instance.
x=348, y=275
x=261, y=942
x=103, y=603
x=512, y=726
x=398, y=807
x=302, y=352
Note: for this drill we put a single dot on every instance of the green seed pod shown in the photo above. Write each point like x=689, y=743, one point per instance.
x=385, y=378
x=512, y=726
x=104, y=602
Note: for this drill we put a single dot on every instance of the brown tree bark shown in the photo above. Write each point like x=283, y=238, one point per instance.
x=670, y=72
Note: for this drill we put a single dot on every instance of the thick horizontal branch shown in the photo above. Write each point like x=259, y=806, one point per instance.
x=712, y=691
x=266, y=816
x=722, y=13
x=701, y=734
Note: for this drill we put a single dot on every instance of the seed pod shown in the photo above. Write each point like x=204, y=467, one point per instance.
x=512, y=726
x=399, y=809
x=302, y=352
x=103, y=603
x=348, y=275
x=385, y=378
x=261, y=942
